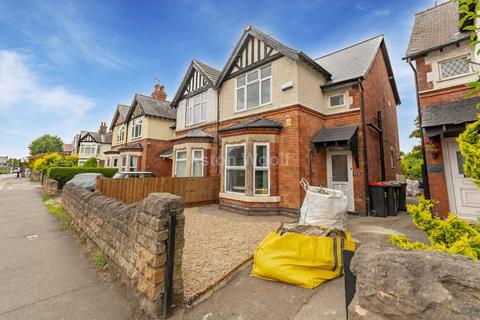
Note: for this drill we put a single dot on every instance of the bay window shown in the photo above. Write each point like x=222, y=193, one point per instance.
x=181, y=164
x=261, y=169
x=254, y=89
x=115, y=162
x=136, y=128
x=235, y=168
x=133, y=163
x=196, y=110
x=197, y=163
x=124, y=163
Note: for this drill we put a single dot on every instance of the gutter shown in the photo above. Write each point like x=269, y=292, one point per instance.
x=426, y=185
x=365, y=155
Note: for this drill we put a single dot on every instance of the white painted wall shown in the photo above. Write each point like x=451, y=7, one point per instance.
x=211, y=111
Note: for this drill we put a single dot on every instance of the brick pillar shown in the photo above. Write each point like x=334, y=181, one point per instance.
x=152, y=235
x=438, y=183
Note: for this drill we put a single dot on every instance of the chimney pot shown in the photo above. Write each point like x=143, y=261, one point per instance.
x=159, y=92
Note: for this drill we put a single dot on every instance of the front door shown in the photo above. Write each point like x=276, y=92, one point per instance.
x=340, y=175
x=464, y=195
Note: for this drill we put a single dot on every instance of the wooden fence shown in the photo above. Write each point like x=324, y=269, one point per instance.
x=192, y=190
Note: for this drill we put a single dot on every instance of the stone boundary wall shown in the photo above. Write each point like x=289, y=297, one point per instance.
x=50, y=187
x=401, y=285
x=133, y=237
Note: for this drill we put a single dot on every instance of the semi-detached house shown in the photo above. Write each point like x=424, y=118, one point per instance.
x=273, y=116
x=442, y=58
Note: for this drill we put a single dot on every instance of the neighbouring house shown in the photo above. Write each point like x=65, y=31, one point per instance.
x=194, y=151
x=274, y=115
x=444, y=65
x=145, y=134
x=67, y=149
x=118, y=128
x=3, y=161
x=94, y=144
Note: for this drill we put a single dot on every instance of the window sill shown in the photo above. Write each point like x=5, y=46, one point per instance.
x=253, y=108
x=195, y=124
x=244, y=198
x=456, y=77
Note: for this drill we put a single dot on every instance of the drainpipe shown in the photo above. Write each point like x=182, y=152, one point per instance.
x=217, y=173
x=364, y=133
x=426, y=185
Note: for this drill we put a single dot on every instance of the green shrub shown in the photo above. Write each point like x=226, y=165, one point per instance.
x=452, y=235
x=63, y=174
x=4, y=171
x=91, y=162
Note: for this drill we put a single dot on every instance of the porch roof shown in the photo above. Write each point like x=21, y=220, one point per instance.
x=167, y=153
x=450, y=113
x=335, y=134
x=257, y=123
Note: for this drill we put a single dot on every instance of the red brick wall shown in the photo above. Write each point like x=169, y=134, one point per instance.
x=422, y=69
x=379, y=96
x=451, y=94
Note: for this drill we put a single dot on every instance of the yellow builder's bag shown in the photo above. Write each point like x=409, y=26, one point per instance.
x=306, y=261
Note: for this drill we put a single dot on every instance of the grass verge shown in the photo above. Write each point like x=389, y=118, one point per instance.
x=100, y=259
x=57, y=210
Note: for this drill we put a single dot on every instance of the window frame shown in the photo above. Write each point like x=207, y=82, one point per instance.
x=192, y=107
x=120, y=133
x=227, y=167
x=439, y=64
x=124, y=163
x=130, y=163
x=177, y=160
x=256, y=168
x=334, y=95
x=137, y=123
x=197, y=159
x=259, y=80
x=115, y=162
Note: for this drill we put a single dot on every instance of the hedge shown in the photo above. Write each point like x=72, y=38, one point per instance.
x=63, y=174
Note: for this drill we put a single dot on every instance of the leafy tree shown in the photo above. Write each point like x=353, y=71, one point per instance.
x=416, y=133
x=469, y=140
x=91, y=162
x=46, y=143
x=412, y=163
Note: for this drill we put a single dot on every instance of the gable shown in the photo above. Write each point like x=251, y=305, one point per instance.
x=87, y=138
x=137, y=111
x=196, y=82
x=253, y=52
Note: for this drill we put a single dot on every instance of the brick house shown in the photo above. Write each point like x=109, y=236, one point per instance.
x=143, y=133
x=441, y=54
x=281, y=116
x=94, y=144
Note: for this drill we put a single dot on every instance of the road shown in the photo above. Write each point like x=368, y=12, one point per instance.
x=43, y=272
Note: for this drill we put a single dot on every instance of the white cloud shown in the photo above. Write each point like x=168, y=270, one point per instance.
x=22, y=87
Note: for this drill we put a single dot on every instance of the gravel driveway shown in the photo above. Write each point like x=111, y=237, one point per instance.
x=217, y=241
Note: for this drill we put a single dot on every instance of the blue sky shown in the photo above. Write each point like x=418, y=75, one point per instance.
x=65, y=65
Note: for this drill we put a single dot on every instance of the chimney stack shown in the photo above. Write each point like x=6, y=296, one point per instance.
x=159, y=92
x=103, y=128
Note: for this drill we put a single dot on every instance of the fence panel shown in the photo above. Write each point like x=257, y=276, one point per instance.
x=192, y=190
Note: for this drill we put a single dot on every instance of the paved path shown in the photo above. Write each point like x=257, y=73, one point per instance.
x=48, y=277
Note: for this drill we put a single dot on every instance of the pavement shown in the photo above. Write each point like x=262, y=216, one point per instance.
x=44, y=273
x=247, y=298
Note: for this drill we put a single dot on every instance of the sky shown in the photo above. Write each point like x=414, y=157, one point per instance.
x=65, y=65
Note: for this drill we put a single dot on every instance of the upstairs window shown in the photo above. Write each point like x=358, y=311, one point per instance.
x=196, y=109
x=136, y=128
x=254, y=89
x=120, y=134
x=336, y=100
x=454, y=67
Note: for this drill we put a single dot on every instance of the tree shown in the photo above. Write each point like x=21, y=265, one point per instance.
x=91, y=162
x=412, y=163
x=46, y=143
x=469, y=140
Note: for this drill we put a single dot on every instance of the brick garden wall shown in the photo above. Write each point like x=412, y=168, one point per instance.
x=133, y=237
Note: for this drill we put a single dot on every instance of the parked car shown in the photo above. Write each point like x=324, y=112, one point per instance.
x=132, y=174
x=85, y=180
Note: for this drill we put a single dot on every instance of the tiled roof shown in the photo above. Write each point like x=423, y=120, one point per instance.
x=457, y=112
x=343, y=133
x=119, y=115
x=254, y=123
x=155, y=107
x=166, y=153
x=435, y=28
x=352, y=62
x=99, y=138
x=209, y=71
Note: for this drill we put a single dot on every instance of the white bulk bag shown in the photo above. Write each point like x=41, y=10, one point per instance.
x=329, y=210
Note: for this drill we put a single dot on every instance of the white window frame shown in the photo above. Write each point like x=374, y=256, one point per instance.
x=108, y=162
x=123, y=166
x=440, y=76
x=227, y=167
x=255, y=167
x=137, y=128
x=197, y=159
x=203, y=102
x=177, y=160
x=334, y=95
x=113, y=162
x=120, y=134
x=244, y=87
x=129, y=164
